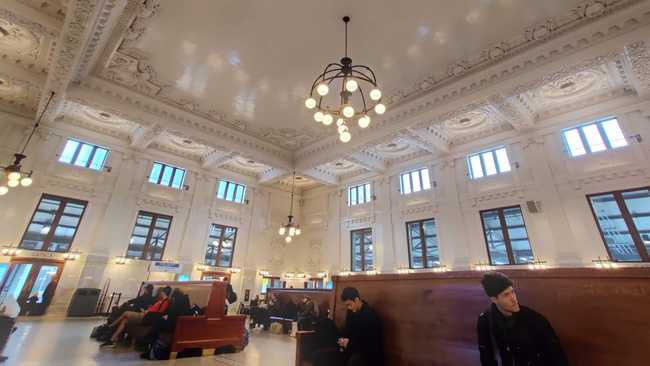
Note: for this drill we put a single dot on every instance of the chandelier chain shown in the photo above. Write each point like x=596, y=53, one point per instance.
x=37, y=124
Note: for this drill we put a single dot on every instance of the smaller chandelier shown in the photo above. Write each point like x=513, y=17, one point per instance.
x=290, y=229
x=347, y=78
x=13, y=175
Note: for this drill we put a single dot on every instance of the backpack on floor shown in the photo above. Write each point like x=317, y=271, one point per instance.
x=159, y=350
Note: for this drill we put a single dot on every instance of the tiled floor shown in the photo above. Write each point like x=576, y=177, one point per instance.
x=56, y=342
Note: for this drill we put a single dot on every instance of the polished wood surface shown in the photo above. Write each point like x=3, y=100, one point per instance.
x=601, y=316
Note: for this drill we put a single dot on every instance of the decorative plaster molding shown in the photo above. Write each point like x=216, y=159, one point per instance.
x=637, y=57
x=349, y=222
x=226, y=217
x=34, y=27
x=418, y=209
x=475, y=201
x=152, y=202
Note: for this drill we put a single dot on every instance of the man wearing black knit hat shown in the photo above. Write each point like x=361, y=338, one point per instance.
x=514, y=335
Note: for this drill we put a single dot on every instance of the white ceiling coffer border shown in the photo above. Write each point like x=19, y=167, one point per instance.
x=569, y=47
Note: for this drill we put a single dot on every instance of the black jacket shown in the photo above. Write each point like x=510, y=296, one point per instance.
x=364, y=330
x=524, y=339
x=141, y=302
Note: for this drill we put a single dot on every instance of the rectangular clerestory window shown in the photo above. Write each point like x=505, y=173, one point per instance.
x=358, y=195
x=414, y=181
x=83, y=154
x=167, y=175
x=230, y=191
x=488, y=162
x=594, y=137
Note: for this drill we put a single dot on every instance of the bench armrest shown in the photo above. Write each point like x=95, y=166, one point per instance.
x=303, y=340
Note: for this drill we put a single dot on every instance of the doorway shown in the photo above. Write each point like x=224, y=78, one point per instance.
x=219, y=276
x=32, y=283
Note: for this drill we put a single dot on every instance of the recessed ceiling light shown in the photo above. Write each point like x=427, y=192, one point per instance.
x=339, y=164
x=104, y=115
x=187, y=142
x=298, y=178
x=392, y=144
x=251, y=161
x=465, y=120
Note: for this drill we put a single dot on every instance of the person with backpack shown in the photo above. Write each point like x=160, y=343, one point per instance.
x=155, y=347
x=231, y=297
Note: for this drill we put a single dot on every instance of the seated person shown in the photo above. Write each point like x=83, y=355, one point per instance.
x=139, y=317
x=514, y=334
x=361, y=341
x=9, y=311
x=306, y=313
x=139, y=303
x=179, y=305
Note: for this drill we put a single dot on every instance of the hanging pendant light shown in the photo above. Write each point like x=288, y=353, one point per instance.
x=13, y=175
x=349, y=80
x=290, y=229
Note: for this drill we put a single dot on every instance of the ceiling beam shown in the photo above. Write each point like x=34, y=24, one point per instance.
x=636, y=66
x=273, y=175
x=144, y=136
x=321, y=176
x=367, y=161
x=217, y=158
x=511, y=110
x=429, y=139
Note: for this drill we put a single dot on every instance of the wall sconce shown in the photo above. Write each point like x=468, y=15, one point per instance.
x=289, y=275
x=71, y=256
x=121, y=260
x=483, y=267
x=263, y=273
x=404, y=271
x=321, y=274
x=604, y=263
x=301, y=275
x=372, y=272
x=10, y=251
x=233, y=270
x=202, y=267
x=537, y=264
x=345, y=273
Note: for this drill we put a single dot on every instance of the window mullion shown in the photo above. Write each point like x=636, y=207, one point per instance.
x=420, y=179
x=506, y=237
x=162, y=172
x=423, y=244
x=55, y=223
x=634, y=233
x=76, y=153
x=483, y=170
x=603, y=135
x=147, y=245
x=496, y=162
x=583, y=138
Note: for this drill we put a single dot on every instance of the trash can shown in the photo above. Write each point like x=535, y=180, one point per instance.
x=84, y=302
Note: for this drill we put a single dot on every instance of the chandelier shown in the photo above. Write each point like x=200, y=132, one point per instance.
x=347, y=79
x=13, y=174
x=290, y=229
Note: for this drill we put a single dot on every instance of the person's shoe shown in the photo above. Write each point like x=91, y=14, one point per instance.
x=107, y=345
x=145, y=356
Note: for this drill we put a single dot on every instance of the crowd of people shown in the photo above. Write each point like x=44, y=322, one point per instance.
x=305, y=312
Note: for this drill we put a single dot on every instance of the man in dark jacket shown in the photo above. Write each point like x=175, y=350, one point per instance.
x=514, y=334
x=361, y=341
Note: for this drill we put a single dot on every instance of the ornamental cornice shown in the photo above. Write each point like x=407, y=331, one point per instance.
x=35, y=27
x=493, y=73
x=158, y=203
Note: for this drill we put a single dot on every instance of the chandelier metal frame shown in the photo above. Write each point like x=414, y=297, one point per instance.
x=290, y=229
x=352, y=77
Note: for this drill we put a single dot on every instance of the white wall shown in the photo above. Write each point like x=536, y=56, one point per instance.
x=563, y=233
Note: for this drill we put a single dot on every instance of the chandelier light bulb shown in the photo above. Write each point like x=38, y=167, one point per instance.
x=364, y=121
x=345, y=136
x=13, y=176
x=342, y=128
x=340, y=122
x=310, y=103
x=298, y=231
x=380, y=108
x=318, y=116
x=348, y=111
x=26, y=182
x=351, y=85
x=3, y=190
x=292, y=231
x=282, y=231
x=322, y=89
x=288, y=239
x=375, y=94
x=13, y=183
x=328, y=119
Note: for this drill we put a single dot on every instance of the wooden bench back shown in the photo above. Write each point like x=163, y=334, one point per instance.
x=601, y=316
x=321, y=297
x=205, y=294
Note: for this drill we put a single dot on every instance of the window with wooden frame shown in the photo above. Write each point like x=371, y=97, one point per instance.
x=506, y=236
x=314, y=283
x=54, y=224
x=623, y=218
x=414, y=181
x=362, y=251
x=83, y=154
x=594, y=137
x=221, y=245
x=423, y=244
x=358, y=195
x=230, y=191
x=149, y=236
x=488, y=162
x=167, y=175
x=271, y=282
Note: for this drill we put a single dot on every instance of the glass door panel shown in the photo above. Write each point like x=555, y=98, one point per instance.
x=638, y=205
x=18, y=275
x=45, y=275
x=614, y=229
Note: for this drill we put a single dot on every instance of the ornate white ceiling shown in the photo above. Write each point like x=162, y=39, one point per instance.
x=223, y=83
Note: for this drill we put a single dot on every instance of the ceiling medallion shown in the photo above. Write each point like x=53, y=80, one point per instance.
x=347, y=78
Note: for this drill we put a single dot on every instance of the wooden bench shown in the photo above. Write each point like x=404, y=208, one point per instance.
x=322, y=298
x=211, y=330
x=601, y=316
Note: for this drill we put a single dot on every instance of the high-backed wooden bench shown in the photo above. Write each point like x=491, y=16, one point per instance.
x=211, y=330
x=322, y=299
x=601, y=316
